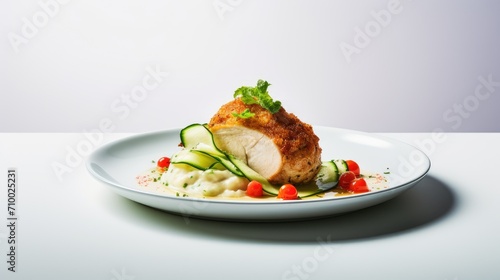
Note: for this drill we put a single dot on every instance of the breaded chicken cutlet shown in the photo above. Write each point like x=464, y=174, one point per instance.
x=277, y=145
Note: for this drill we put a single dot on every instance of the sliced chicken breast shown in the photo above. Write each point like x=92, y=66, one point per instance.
x=278, y=146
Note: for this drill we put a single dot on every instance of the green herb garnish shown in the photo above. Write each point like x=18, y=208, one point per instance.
x=257, y=95
x=244, y=115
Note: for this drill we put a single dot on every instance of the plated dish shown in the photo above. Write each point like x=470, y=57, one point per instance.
x=256, y=162
x=116, y=165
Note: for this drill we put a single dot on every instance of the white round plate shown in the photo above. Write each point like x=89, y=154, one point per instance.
x=116, y=164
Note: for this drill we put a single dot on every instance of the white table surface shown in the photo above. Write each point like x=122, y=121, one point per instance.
x=447, y=227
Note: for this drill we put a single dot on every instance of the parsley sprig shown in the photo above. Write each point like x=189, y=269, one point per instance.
x=244, y=115
x=256, y=95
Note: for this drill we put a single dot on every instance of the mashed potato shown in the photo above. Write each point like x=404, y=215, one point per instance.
x=210, y=183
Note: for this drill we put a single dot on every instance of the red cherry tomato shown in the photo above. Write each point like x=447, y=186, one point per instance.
x=353, y=166
x=288, y=192
x=164, y=162
x=346, y=179
x=359, y=186
x=254, y=189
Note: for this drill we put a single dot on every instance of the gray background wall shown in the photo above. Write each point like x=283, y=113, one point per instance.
x=135, y=66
